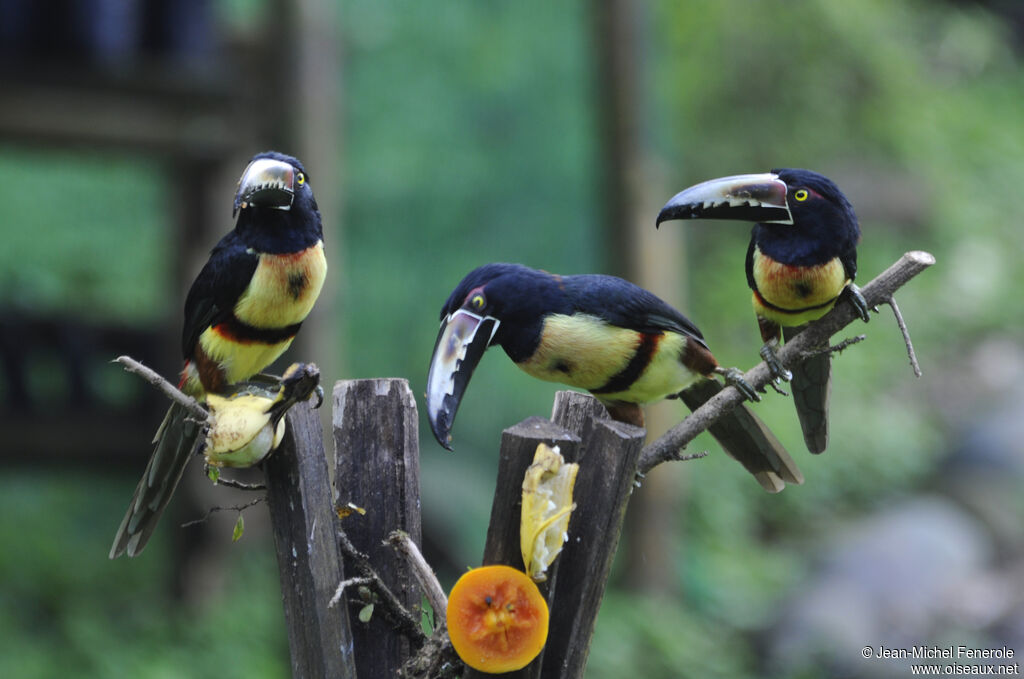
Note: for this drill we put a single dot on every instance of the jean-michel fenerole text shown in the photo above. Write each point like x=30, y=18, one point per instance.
x=954, y=652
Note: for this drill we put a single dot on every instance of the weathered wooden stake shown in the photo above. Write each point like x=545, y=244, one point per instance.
x=518, y=446
x=376, y=439
x=607, y=452
x=308, y=559
x=607, y=457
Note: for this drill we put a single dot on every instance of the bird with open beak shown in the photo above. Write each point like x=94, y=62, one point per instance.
x=242, y=312
x=598, y=333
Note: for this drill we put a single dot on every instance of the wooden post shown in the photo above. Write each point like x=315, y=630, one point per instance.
x=518, y=446
x=376, y=440
x=608, y=459
x=303, y=518
x=607, y=453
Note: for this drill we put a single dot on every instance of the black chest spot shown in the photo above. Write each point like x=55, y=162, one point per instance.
x=297, y=282
x=562, y=366
x=803, y=289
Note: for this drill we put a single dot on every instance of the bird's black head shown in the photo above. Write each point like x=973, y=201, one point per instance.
x=502, y=304
x=800, y=211
x=824, y=224
x=275, y=206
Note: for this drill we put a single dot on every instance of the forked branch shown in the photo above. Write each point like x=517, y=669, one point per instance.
x=797, y=350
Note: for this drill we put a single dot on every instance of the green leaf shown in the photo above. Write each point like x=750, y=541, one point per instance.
x=365, y=613
x=426, y=616
x=213, y=473
x=239, y=529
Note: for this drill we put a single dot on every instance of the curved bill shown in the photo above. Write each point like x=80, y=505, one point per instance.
x=748, y=197
x=461, y=342
x=266, y=183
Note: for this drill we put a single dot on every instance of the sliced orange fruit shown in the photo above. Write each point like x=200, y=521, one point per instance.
x=497, y=619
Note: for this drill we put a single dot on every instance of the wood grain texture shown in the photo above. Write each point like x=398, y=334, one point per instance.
x=303, y=518
x=607, y=452
x=608, y=458
x=518, y=446
x=376, y=439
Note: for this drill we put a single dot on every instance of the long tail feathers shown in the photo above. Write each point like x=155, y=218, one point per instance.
x=177, y=439
x=812, y=388
x=747, y=439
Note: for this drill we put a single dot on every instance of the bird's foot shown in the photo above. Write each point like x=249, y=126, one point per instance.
x=769, y=352
x=734, y=377
x=301, y=381
x=860, y=304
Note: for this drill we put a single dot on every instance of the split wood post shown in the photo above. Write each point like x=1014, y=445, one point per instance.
x=518, y=446
x=308, y=559
x=607, y=452
x=376, y=440
x=608, y=457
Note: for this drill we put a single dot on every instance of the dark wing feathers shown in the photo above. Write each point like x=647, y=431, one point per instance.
x=213, y=294
x=625, y=305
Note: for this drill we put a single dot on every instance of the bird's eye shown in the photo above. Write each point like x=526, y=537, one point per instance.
x=300, y=179
x=801, y=195
x=478, y=302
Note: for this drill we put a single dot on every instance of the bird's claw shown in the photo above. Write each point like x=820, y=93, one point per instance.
x=301, y=381
x=734, y=377
x=775, y=367
x=860, y=305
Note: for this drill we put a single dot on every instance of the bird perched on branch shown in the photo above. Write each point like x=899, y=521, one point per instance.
x=801, y=260
x=599, y=333
x=242, y=312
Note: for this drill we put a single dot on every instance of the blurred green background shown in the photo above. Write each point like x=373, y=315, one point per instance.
x=475, y=132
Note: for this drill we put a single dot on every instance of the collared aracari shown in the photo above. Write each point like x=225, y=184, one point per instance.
x=599, y=333
x=802, y=258
x=241, y=313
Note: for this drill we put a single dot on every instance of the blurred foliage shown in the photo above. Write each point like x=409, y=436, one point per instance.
x=64, y=214
x=469, y=137
x=69, y=611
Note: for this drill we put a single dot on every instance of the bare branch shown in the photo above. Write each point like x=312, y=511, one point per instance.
x=392, y=608
x=842, y=346
x=424, y=574
x=341, y=589
x=798, y=349
x=210, y=512
x=169, y=390
x=906, y=335
x=239, y=485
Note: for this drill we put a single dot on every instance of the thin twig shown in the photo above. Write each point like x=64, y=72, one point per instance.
x=212, y=510
x=794, y=352
x=690, y=456
x=906, y=335
x=401, y=541
x=240, y=485
x=169, y=390
x=848, y=342
x=341, y=589
x=392, y=609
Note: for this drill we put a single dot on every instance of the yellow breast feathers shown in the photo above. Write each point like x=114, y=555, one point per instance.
x=281, y=294
x=283, y=288
x=792, y=295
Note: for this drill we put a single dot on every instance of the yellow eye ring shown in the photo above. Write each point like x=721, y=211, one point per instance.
x=801, y=195
x=477, y=302
x=300, y=179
